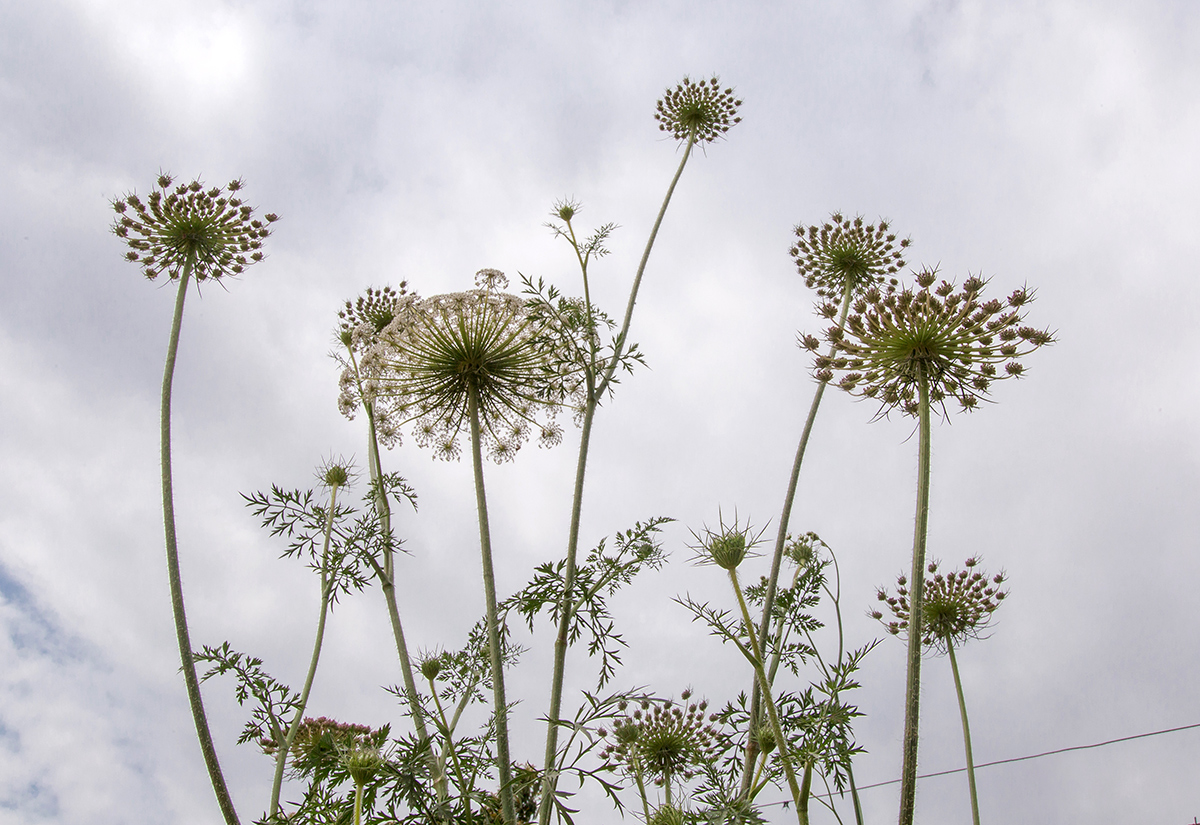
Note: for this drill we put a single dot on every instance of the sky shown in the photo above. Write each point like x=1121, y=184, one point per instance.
x=1051, y=144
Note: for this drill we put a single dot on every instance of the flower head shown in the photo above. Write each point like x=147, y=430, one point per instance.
x=957, y=606
x=697, y=111
x=438, y=353
x=336, y=472
x=372, y=312
x=947, y=336
x=210, y=230
x=664, y=739
x=847, y=255
x=727, y=546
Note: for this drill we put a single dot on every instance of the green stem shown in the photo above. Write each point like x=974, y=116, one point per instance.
x=358, y=803
x=181, y=629
x=565, y=607
x=916, y=606
x=499, y=703
x=781, y=743
x=326, y=590
x=448, y=732
x=962, y=709
x=785, y=516
x=386, y=573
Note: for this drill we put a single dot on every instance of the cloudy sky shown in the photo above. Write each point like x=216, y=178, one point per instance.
x=1052, y=144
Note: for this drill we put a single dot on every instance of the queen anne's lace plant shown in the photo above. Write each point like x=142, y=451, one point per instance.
x=948, y=337
x=208, y=233
x=188, y=231
x=699, y=111
x=435, y=352
x=956, y=606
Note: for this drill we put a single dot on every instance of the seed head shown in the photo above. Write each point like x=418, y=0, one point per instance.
x=949, y=335
x=700, y=111
x=374, y=310
x=957, y=606
x=210, y=230
x=845, y=254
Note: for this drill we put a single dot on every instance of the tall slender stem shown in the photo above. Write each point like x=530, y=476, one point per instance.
x=916, y=621
x=799, y=797
x=789, y=498
x=326, y=591
x=181, y=629
x=499, y=702
x=566, y=604
x=962, y=709
x=386, y=573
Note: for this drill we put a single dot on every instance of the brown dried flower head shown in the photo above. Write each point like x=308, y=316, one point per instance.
x=210, y=231
x=947, y=336
x=667, y=741
x=700, y=111
x=847, y=254
x=957, y=606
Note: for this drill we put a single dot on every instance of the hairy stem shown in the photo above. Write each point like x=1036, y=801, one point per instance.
x=962, y=709
x=326, y=590
x=499, y=702
x=566, y=604
x=386, y=573
x=916, y=604
x=785, y=516
x=181, y=629
x=781, y=743
x=448, y=731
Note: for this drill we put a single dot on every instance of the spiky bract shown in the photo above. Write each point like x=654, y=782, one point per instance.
x=947, y=336
x=211, y=230
x=847, y=253
x=957, y=606
x=700, y=111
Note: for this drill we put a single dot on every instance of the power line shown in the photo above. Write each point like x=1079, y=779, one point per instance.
x=1023, y=758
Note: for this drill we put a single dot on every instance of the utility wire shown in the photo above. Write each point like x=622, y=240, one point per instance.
x=1022, y=758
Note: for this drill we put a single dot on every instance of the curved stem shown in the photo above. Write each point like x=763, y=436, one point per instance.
x=326, y=590
x=962, y=709
x=781, y=743
x=916, y=606
x=499, y=703
x=785, y=516
x=637, y=279
x=181, y=629
x=595, y=392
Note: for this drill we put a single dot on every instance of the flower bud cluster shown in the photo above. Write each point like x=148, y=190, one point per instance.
x=312, y=732
x=665, y=740
x=698, y=111
x=957, y=606
x=726, y=547
x=948, y=336
x=211, y=230
x=847, y=254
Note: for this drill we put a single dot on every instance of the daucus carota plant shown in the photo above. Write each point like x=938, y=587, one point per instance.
x=186, y=231
x=473, y=361
x=839, y=260
x=693, y=112
x=957, y=606
x=913, y=350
